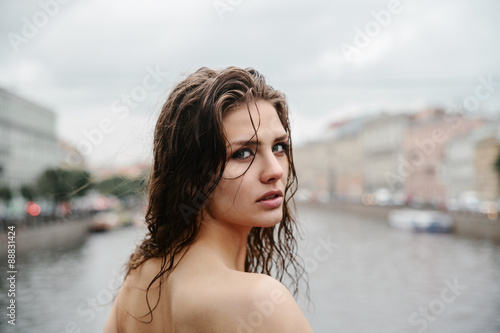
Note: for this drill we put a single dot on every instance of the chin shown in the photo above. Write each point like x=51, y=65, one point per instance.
x=270, y=220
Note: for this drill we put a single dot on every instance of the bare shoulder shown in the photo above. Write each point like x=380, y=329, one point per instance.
x=131, y=308
x=270, y=302
x=206, y=301
x=246, y=302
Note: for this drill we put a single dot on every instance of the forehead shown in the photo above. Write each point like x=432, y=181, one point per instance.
x=238, y=125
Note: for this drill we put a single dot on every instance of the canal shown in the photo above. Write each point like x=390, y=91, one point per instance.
x=363, y=277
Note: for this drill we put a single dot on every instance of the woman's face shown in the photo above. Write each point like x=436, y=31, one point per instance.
x=252, y=195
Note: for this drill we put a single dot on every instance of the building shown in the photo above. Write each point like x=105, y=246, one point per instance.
x=424, y=150
x=459, y=172
x=28, y=143
x=313, y=166
x=382, y=148
x=347, y=165
x=487, y=181
x=332, y=168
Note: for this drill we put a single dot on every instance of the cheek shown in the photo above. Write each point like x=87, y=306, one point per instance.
x=235, y=170
x=284, y=167
x=226, y=194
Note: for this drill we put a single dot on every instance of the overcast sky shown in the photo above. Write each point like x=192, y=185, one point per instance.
x=332, y=58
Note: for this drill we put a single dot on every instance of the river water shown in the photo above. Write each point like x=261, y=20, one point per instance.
x=363, y=277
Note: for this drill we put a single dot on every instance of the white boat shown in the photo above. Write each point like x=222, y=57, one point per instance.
x=420, y=220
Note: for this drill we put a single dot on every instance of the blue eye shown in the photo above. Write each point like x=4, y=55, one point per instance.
x=242, y=154
x=280, y=147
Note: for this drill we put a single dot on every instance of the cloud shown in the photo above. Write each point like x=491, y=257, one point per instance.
x=92, y=52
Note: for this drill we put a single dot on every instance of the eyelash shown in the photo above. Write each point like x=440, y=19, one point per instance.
x=284, y=145
x=243, y=150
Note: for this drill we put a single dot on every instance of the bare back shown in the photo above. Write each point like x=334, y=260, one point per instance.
x=200, y=299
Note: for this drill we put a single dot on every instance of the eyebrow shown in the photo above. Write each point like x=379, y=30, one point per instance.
x=239, y=143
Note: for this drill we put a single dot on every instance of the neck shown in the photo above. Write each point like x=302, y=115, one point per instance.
x=227, y=243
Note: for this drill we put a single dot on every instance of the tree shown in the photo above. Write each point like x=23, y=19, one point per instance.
x=81, y=182
x=60, y=184
x=5, y=194
x=28, y=192
x=122, y=187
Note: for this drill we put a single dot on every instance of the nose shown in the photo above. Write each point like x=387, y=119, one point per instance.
x=272, y=169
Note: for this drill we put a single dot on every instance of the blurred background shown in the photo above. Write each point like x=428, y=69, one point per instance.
x=395, y=113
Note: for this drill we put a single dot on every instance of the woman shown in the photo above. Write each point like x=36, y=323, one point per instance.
x=218, y=215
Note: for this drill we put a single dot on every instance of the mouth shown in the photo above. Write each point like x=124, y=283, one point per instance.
x=270, y=195
x=271, y=199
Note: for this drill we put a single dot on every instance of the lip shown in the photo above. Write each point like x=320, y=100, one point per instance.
x=271, y=203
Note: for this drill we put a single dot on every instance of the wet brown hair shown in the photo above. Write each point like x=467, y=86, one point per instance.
x=189, y=160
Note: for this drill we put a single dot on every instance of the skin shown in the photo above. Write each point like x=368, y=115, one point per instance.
x=209, y=288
